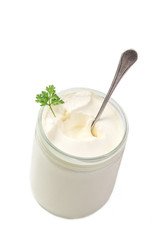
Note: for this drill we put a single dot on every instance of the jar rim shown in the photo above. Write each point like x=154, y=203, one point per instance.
x=89, y=159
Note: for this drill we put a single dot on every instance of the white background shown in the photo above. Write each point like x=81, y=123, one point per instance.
x=78, y=44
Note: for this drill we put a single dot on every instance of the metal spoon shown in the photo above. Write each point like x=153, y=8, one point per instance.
x=128, y=58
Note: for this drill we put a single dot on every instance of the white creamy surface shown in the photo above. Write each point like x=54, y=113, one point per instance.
x=70, y=130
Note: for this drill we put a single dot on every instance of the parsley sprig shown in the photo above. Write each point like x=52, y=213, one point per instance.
x=49, y=97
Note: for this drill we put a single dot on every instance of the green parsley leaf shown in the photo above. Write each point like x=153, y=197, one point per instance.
x=49, y=97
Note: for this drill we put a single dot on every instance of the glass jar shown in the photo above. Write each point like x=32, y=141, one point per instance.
x=70, y=186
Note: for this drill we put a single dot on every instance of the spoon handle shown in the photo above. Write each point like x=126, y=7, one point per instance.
x=128, y=58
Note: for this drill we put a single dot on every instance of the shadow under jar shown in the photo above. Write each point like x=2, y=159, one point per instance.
x=70, y=186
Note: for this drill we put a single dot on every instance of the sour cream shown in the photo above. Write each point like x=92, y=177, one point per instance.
x=70, y=130
x=71, y=174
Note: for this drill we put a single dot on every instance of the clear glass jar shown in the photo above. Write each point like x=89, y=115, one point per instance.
x=70, y=186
